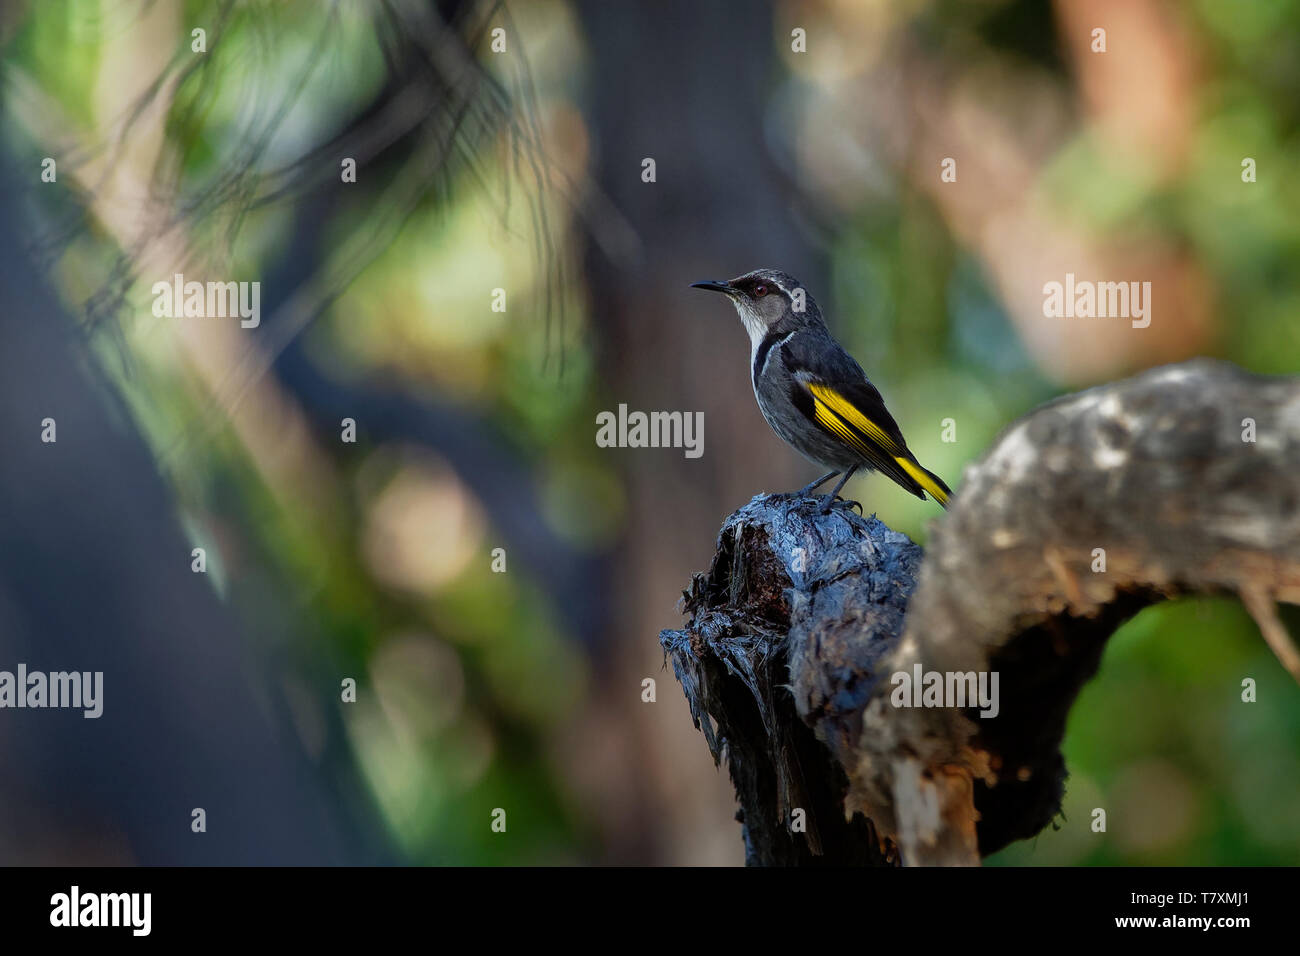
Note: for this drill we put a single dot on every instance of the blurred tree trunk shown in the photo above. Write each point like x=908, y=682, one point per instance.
x=719, y=206
x=95, y=576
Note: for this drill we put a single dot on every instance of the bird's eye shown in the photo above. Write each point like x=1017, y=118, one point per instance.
x=760, y=291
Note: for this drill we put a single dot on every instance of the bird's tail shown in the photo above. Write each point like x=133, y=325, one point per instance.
x=927, y=479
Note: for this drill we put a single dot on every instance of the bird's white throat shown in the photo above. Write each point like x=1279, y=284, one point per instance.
x=754, y=324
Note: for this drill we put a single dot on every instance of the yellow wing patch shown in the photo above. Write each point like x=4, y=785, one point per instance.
x=849, y=412
x=832, y=410
x=828, y=420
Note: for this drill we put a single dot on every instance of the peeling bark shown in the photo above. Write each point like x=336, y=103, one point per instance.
x=802, y=618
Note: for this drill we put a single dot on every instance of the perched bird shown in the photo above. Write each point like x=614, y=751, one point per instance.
x=812, y=392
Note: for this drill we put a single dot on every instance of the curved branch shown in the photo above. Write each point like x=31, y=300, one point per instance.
x=1082, y=513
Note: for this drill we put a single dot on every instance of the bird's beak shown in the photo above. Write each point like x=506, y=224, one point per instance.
x=714, y=286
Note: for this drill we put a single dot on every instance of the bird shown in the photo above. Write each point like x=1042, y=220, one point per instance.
x=813, y=394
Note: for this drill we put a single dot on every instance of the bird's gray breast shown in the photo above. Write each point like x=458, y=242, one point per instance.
x=774, y=385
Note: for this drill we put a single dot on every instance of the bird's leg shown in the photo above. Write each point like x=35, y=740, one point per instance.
x=808, y=489
x=830, y=499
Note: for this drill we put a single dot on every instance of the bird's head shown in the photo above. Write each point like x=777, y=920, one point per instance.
x=767, y=300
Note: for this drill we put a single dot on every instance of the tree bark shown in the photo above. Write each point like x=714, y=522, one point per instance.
x=1082, y=513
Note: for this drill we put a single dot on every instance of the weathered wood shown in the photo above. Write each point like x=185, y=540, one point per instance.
x=802, y=618
x=793, y=600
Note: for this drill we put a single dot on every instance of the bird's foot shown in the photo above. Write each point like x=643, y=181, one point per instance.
x=830, y=501
x=808, y=489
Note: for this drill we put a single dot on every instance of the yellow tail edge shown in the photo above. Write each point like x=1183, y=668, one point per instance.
x=926, y=480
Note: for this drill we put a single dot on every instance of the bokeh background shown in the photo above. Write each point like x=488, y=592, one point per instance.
x=522, y=170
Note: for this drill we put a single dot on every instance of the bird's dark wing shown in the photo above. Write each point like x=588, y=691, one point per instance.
x=833, y=392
